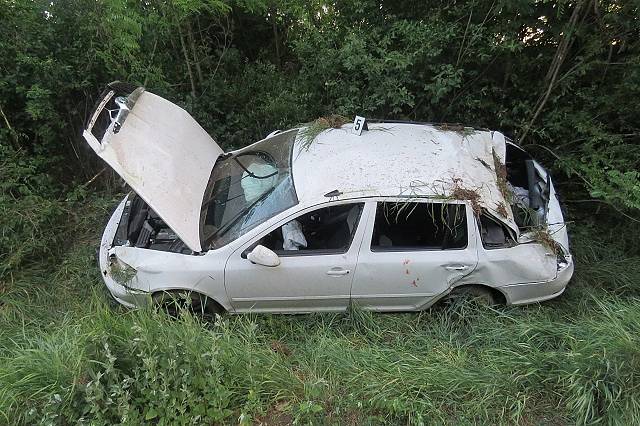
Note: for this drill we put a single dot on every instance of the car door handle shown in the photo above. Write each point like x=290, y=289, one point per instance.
x=456, y=267
x=337, y=272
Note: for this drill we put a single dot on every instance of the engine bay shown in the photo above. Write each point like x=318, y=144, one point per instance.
x=141, y=227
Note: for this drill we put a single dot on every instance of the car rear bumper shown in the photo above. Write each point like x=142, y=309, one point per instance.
x=521, y=294
x=128, y=297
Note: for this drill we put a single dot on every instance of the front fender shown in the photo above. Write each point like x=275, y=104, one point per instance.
x=162, y=271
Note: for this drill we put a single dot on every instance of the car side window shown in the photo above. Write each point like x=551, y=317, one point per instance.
x=328, y=230
x=405, y=226
x=494, y=234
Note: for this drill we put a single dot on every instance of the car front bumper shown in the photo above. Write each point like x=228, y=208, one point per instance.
x=128, y=297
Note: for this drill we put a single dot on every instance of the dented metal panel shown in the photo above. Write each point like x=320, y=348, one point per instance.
x=409, y=160
x=164, y=155
x=153, y=271
x=409, y=280
x=523, y=263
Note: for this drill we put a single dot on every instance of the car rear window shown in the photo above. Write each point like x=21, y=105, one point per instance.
x=405, y=226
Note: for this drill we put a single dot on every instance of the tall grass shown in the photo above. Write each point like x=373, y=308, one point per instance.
x=68, y=355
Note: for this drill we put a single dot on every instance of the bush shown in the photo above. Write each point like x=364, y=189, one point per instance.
x=31, y=216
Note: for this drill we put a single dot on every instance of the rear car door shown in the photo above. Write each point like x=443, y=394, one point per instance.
x=412, y=252
x=507, y=262
x=316, y=269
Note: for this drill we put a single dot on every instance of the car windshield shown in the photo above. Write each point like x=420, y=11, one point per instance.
x=247, y=188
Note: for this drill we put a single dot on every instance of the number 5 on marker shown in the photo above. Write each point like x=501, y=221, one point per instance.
x=358, y=125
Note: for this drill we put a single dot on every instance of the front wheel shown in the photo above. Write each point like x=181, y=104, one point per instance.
x=175, y=302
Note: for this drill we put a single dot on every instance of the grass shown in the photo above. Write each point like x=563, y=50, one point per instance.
x=542, y=235
x=501, y=177
x=69, y=355
x=310, y=131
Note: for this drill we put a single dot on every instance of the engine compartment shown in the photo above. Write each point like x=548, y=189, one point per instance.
x=141, y=227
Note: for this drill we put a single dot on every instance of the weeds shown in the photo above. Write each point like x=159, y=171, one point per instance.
x=455, y=127
x=466, y=194
x=501, y=177
x=502, y=210
x=543, y=236
x=309, y=132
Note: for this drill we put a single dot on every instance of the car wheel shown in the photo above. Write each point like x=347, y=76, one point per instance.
x=477, y=294
x=175, y=302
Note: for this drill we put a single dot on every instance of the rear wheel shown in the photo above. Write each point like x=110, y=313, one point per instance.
x=477, y=294
x=175, y=302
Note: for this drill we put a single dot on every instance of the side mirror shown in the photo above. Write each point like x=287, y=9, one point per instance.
x=263, y=256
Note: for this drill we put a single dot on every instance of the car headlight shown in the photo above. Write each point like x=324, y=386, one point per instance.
x=121, y=272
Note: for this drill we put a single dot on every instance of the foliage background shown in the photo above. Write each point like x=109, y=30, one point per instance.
x=562, y=78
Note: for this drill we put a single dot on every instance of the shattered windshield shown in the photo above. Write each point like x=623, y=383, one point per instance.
x=247, y=188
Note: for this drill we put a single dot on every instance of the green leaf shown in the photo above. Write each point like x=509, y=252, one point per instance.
x=151, y=414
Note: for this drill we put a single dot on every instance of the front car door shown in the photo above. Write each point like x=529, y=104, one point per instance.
x=412, y=252
x=318, y=251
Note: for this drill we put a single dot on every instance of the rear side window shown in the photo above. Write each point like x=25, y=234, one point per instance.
x=404, y=226
x=494, y=234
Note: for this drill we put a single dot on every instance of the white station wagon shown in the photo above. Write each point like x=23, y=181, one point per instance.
x=389, y=216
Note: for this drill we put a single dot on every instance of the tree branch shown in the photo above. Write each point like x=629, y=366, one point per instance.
x=554, y=68
x=186, y=60
x=14, y=134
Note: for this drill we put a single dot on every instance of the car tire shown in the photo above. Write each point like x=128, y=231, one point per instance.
x=175, y=302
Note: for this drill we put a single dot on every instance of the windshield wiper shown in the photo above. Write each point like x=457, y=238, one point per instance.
x=221, y=231
x=253, y=175
x=247, y=171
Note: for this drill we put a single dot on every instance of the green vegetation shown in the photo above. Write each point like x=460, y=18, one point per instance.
x=67, y=353
x=561, y=78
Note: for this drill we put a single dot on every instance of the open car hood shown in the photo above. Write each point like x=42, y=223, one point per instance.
x=159, y=150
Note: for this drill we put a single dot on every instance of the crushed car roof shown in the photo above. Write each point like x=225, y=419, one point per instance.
x=406, y=160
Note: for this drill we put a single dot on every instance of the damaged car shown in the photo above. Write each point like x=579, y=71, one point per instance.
x=391, y=216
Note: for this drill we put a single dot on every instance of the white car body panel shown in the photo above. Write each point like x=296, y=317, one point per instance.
x=408, y=280
x=166, y=157
x=522, y=264
x=157, y=271
x=301, y=283
x=555, y=220
x=132, y=295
